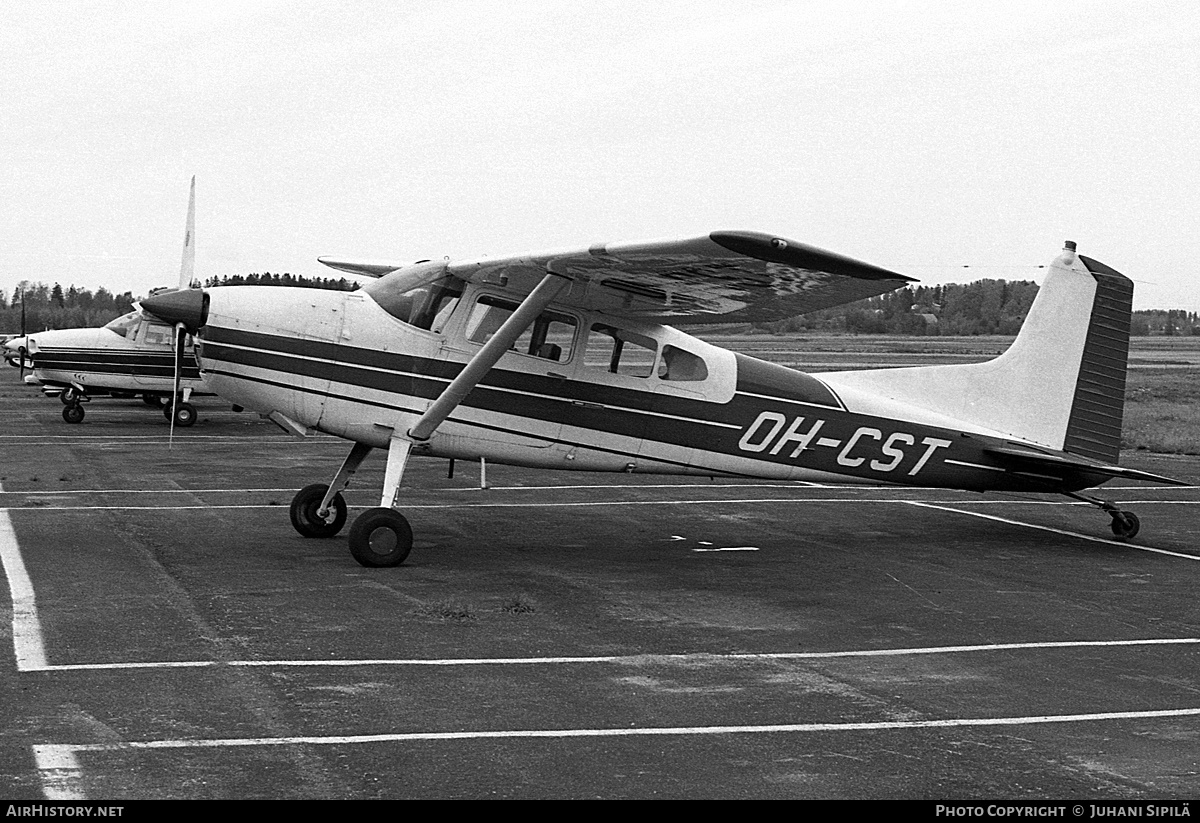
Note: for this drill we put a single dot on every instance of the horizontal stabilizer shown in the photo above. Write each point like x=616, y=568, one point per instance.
x=1028, y=459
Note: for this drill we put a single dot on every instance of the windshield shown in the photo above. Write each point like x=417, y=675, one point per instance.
x=426, y=307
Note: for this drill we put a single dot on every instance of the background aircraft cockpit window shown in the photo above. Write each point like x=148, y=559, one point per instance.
x=677, y=364
x=125, y=323
x=427, y=307
x=550, y=336
x=158, y=335
x=620, y=352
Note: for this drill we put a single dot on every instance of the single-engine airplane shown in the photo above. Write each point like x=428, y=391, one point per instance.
x=563, y=360
x=129, y=357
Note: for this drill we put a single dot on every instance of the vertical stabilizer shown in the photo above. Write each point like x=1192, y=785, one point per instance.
x=1061, y=383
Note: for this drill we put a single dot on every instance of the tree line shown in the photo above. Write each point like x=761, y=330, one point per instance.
x=55, y=307
x=960, y=309
x=980, y=307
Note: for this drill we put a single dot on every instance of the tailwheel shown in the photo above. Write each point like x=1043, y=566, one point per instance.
x=73, y=413
x=380, y=537
x=306, y=517
x=1125, y=525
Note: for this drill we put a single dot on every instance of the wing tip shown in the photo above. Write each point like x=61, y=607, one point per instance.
x=776, y=249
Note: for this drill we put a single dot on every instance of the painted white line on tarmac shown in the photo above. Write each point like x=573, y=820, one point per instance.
x=640, y=659
x=62, y=776
x=28, y=646
x=1122, y=543
x=775, y=728
x=542, y=504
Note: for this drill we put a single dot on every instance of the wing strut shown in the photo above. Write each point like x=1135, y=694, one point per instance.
x=492, y=351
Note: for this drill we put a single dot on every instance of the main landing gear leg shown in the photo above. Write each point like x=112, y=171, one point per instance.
x=319, y=510
x=1125, y=524
x=382, y=536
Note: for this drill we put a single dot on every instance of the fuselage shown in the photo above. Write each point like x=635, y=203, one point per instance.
x=592, y=393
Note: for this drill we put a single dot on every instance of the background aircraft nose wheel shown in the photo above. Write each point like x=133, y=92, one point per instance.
x=304, y=512
x=380, y=537
x=152, y=400
x=69, y=396
x=1125, y=525
x=73, y=413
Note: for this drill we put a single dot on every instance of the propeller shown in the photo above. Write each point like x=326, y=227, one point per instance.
x=187, y=269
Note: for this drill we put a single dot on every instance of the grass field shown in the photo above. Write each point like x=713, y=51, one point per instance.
x=1162, y=408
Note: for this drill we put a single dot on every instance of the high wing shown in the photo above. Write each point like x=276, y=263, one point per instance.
x=367, y=268
x=721, y=277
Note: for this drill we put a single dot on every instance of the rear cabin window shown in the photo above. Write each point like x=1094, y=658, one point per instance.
x=620, y=352
x=550, y=337
x=680, y=365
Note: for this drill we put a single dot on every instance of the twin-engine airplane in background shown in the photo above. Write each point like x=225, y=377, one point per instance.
x=561, y=360
x=131, y=356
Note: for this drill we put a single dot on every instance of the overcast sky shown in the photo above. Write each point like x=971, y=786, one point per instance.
x=918, y=136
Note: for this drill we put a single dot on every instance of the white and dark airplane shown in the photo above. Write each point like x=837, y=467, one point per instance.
x=562, y=360
x=131, y=356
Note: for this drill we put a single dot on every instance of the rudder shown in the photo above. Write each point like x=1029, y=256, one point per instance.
x=1097, y=413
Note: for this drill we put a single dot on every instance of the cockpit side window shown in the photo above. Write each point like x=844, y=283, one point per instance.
x=158, y=335
x=550, y=337
x=618, y=351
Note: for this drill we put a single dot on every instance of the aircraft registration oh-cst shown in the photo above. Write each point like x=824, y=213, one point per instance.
x=563, y=360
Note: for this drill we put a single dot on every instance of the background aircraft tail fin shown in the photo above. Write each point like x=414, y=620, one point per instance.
x=1060, y=384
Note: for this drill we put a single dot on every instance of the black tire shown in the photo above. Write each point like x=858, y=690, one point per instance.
x=73, y=413
x=185, y=415
x=304, y=512
x=1125, y=525
x=152, y=400
x=380, y=537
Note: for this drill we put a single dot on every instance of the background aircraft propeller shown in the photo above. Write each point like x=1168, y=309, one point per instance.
x=176, y=400
x=22, y=349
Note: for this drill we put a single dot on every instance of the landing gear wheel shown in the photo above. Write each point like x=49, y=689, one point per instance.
x=152, y=400
x=1125, y=525
x=185, y=414
x=380, y=537
x=73, y=413
x=304, y=512
x=69, y=396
